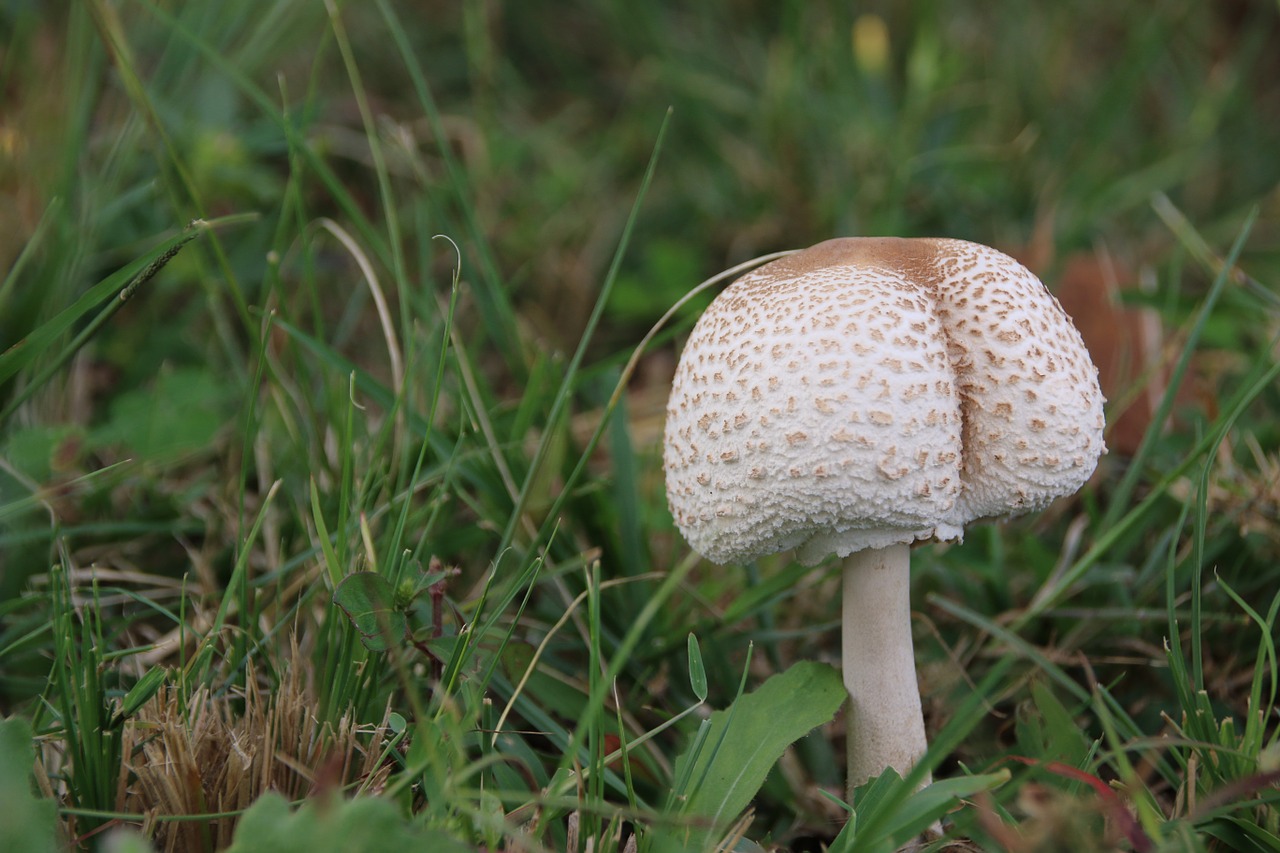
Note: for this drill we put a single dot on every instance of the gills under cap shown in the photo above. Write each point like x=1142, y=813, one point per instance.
x=872, y=391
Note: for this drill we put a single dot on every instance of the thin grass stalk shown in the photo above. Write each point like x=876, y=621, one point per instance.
x=494, y=306
x=112, y=33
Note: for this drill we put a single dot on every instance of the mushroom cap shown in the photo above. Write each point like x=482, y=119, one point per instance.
x=872, y=391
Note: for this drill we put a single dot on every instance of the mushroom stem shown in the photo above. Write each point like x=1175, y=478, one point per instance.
x=886, y=724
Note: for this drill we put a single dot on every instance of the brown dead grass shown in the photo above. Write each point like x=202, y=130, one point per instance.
x=215, y=755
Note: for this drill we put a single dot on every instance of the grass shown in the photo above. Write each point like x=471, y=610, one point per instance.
x=346, y=530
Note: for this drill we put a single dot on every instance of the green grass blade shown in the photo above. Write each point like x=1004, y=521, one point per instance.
x=561, y=401
x=1120, y=497
x=119, y=285
x=495, y=307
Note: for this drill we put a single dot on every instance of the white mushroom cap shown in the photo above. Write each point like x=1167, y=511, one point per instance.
x=872, y=391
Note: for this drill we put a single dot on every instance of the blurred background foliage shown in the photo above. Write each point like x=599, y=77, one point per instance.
x=792, y=123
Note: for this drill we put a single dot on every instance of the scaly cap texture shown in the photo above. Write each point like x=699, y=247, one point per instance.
x=872, y=391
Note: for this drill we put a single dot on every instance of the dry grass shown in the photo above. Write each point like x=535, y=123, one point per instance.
x=213, y=755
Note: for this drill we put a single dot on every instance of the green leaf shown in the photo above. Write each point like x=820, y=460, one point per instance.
x=362, y=825
x=35, y=450
x=744, y=741
x=697, y=672
x=367, y=600
x=322, y=533
x=1064, y=740
x=919, y=811
x=29, y=822
x=180, y=414
x=37, y=344
x=140, y=694
x=913, y=815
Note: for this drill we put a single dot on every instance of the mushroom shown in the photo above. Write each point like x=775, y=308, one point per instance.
x=864, y=394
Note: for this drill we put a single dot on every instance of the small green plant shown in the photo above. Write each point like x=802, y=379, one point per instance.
x=734, y=750
x=30, y=821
